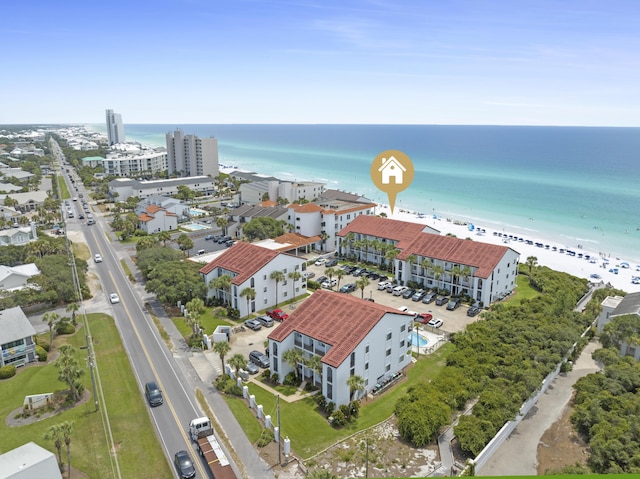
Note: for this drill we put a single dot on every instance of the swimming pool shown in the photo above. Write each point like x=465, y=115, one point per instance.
x=194, y=226
x=419, y=339
x=196, y=212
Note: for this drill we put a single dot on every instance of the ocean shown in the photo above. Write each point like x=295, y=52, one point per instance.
x=571, y=185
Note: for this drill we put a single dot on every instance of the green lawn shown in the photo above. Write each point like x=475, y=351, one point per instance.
x=132, y=430
x=308, y=429
x=523, y=292
x=62, y=188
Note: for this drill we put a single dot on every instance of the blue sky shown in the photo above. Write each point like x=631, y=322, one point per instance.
x=538, y=62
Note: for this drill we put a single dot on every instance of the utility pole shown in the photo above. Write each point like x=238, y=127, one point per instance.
x=279, y=431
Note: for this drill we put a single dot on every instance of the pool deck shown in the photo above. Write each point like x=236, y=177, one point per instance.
x=435, y=341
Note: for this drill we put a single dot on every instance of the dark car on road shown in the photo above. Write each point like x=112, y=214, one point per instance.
x=259, y=358
x=331, y=263
x=418, y=295
x=184, y=465
x=153, y=394
x=429, y=297
x=348, y=288
x=407, y=293
x=473, y=311
x=441, y=300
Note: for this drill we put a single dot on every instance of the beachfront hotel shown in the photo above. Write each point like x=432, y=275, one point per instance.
x=189, y=155
x=483, y=271
x=115, y=128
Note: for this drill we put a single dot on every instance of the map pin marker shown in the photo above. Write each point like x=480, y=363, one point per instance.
x=392, y=172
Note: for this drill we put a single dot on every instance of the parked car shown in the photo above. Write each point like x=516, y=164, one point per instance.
x=407, y=293
x=277, y=314
x=153, y=394
x=209, y=237
x=252, y=368
x=97, y=258
x=114, y=298
x=418, y=295
x=184, y=465
x=321, y=279
x=348, y=288
x=435, y=323
x=454, y=303
x=253, y=324
x=359, y=271
x=265, y=321
x=224, y=239
x=330, y=283
x=441, y=300
x=259, y=358
x=373, y=275
x=429, y=297
x=319, y=262
x=308, y=274
x=473, y=311
x=331, y=263
x=424, y=318
x=383, y=285
x=348, y=269
x=398, y=290
x=404, y=309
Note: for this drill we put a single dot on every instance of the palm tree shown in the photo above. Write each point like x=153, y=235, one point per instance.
x=356, y=384
x=55, y=434
x=455, y=273
x=411, y=259
x=362, y=283
x=426, y=264
x=349, y=240
x=73, y=307
x=221, y=222
x=164, y=236
x=293, y=357
x=294, y=276
x=437, y=271
x=238, y=362
x=330, y=272
x=221, y=283
x=532, y=262
x=314, y=363
x=391, y=256
x=339, y=275
x=250, y=295
x=222, y=348
x=277, y=276
x=465, y=272
x=51, y=319
x=67, y=429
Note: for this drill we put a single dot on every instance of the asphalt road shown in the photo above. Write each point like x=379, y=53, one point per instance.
x=151, y=359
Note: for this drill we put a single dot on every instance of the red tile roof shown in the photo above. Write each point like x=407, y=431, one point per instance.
x=145, y=217
x=340, y=320
x=295, y=239
x=401, y=231
x=153, y=209
x=305, y=208
x=360, y=207
x=483, y=256
x=244, y=259
x=268, y=204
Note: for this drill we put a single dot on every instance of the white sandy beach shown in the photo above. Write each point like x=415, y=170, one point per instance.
x=574, y=265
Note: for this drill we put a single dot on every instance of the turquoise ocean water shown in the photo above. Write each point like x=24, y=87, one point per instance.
x=570, y=185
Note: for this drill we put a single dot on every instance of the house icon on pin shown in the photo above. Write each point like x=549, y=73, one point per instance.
x=391, y=168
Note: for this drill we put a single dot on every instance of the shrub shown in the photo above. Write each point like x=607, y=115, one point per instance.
x=354, y=409
x=346, y=412
x=266, y=437
x=329, y=407
x=338, y=419
x=43, y=344
x=321, y=401
x=291, y=380
x=274, y=378
x=65, y=327
x=7, y=372
x=42, y=353
x=233, y=389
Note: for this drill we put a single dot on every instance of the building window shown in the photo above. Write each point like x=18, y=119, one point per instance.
x=366, y=350
x=275, y=366
x=402, y=328
x=329, y=391
x=329, y=375
x=388, y=335
x=366, y=366
x=402, y=343
x=275, y=349
x=265, y=289
x=401, y=358
x=388, y=352
x=388, y=368
x=353, y=359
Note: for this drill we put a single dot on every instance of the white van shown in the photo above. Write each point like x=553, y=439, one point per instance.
x=398, y=290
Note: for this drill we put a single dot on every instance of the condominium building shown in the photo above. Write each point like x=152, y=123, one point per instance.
x=189, y=155
x=115, y=128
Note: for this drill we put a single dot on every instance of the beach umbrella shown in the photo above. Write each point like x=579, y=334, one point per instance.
x=471, y=227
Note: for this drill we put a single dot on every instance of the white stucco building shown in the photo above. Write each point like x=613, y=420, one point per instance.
x=144, y=162
x=123, y=188
x=251, y=266
x=190, y=155
x=115, y=128
x=350, y=335
x=155, y=219
x=17, y=338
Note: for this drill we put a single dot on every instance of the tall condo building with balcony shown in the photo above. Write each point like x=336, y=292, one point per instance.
x=189, y=155
x=115, y=128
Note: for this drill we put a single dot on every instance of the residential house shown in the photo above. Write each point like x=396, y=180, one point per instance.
x=155, y=219
x=14, y=278
x=29, y=201
x=245, y=213
x=616, y=307
x=351, y=337
x=18, y=236
x=17, y=338
x=172, y=205
x=251, y=266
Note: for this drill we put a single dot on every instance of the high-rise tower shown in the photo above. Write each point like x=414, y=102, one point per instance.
x=188, y=155
x=115, y=128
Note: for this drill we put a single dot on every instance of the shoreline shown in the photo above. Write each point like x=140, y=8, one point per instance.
x=458, y=225
x=556, y=260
